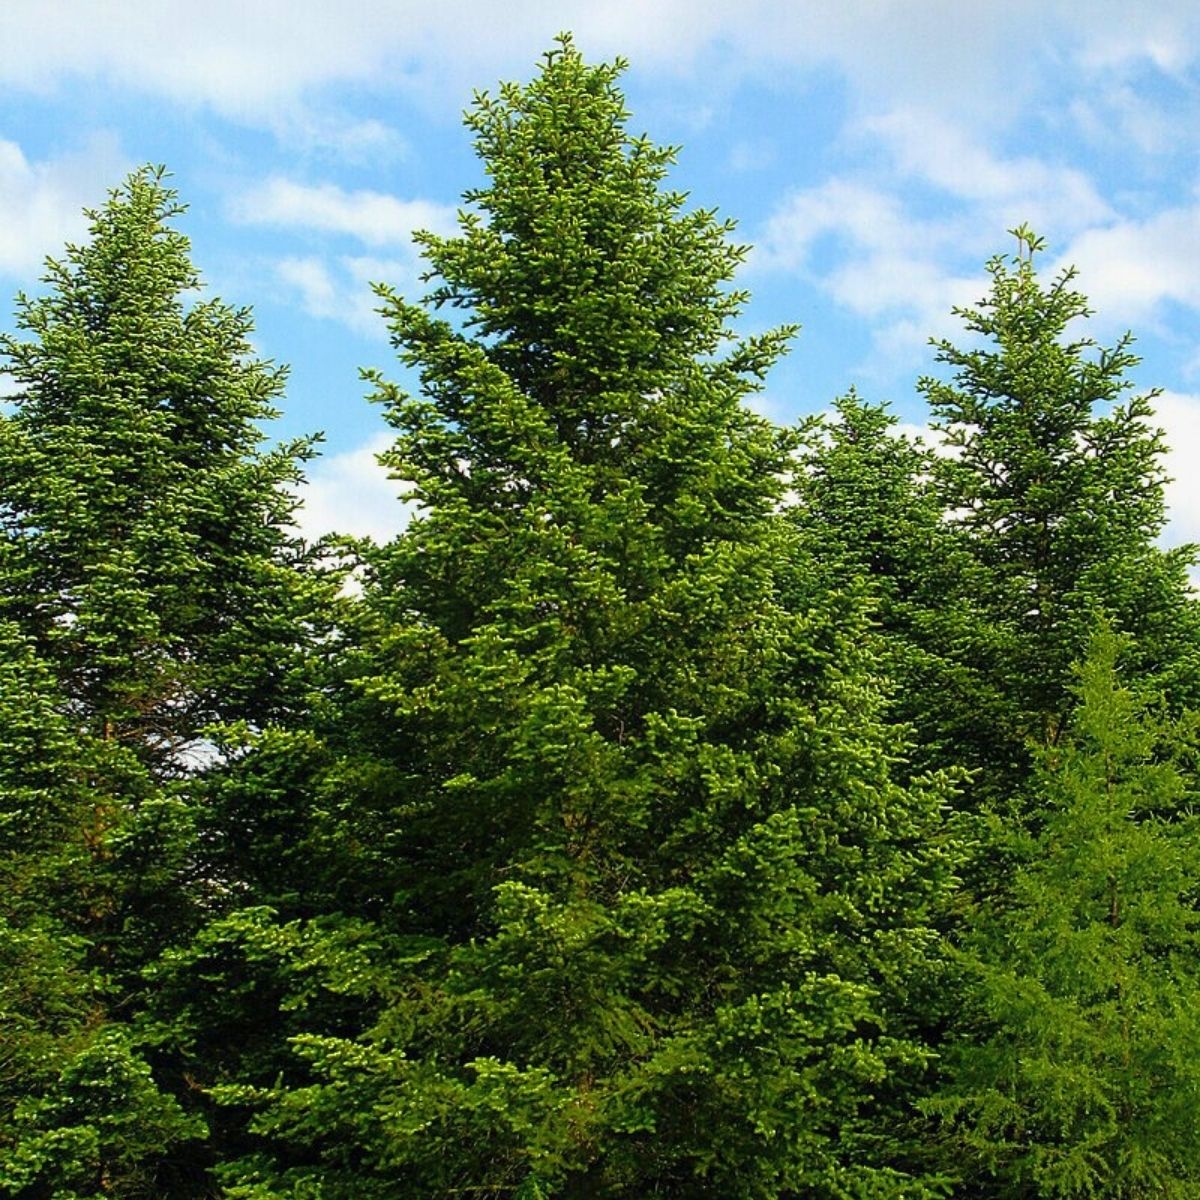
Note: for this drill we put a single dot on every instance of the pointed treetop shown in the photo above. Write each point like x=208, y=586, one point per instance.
x=1028, y=242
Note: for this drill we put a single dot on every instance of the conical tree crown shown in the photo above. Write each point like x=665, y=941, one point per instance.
x=584, y=274
x=1057, y=482
x=142, y=529
x=650, y=905
x=594, y=492
x=595, y=306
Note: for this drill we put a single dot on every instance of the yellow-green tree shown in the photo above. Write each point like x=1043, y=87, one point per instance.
x=1076, y=1068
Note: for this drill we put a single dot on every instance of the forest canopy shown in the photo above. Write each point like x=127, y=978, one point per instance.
x=682, y=805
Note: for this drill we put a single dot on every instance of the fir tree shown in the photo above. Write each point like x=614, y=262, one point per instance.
x=146, y=555
x=144, y=535
x=1057, y=484
x=647, y=904
x=80, y=1114
x=150, y=588
x=868, y=504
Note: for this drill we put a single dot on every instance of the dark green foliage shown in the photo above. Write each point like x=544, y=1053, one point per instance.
x=604, y=844
x=79, y=1113
x=990, y=560
x=149, y=587
x=1057, y=483
x=988, y=564
x=649, y=905
x=1077, y=1070
x=102, y=1128
x=868, y=502
x=143, y=537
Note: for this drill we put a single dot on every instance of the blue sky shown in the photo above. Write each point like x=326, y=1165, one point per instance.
x=874, y=153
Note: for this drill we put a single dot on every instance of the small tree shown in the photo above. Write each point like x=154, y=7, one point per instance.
x=1077, y=1070
x=869, y=506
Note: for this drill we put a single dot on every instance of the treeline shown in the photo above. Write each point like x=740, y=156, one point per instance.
x=680, y=806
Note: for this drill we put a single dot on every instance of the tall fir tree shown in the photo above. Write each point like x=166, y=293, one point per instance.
x=146, y=550
x=990, y=560
x=145, y=544
x=150, y=588
x=647, y=906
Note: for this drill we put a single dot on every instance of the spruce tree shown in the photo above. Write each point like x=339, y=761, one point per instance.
x=146, y=553
x=647, y=905
x=1077, y=1068
x=867, y=502
x=990, y=560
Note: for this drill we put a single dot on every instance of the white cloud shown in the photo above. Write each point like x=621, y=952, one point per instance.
x=311, y=278
x=351, y=493
x=340, y=290
x=856, y=213
x=877, y=253
x=1163, y=34
x=912, y=431
x=891, y=267
x=335, y=134
x=41, y=202
x=1129, y=268
x=1119, y=116
x=1006, y=191
x=257, y=61
x=244, y=59
x=771, y=406
x=374, y=218
x=1178, y=414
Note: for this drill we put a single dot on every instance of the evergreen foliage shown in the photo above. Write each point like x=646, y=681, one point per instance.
x=1078, y=1070
x=1057, y=484
x=651, y=902
x=143, y=533
x=869, y=505
x=991, y=559
x=149, y=588
x=605, y=840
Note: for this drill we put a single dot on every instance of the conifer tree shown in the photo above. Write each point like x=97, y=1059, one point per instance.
x=990, y=560
x=1056, y=482
x=648, y=906
x=146, y=555
x=868, y=503
x=149, y=588
x=1077, y=1068
x=144, y=539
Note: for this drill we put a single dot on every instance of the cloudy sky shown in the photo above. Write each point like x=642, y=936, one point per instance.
x=873, y=152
